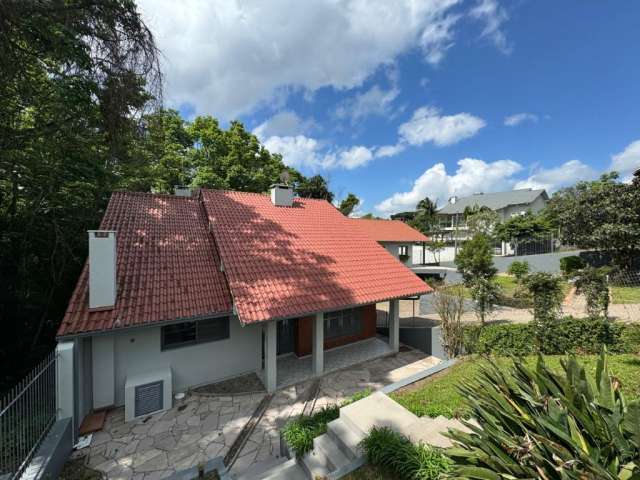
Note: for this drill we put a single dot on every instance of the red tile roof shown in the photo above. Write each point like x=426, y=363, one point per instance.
x=290, y=261
x=168, y=266
x=389, y=230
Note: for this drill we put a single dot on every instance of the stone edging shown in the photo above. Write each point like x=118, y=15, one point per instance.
x=418, y=376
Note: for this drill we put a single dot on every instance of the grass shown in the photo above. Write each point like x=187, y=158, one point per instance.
x=76, y=470
x=625, y=294
x=437, y=395
x=508, y=284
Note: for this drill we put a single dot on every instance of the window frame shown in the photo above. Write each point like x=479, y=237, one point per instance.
x=355, y=320
x=198, y=340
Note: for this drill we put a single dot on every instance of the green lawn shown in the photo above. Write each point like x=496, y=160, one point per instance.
x=507, y=284
x=437, y=395
x=625, y=294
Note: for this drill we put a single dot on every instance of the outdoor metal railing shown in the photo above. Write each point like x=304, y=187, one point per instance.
x=27, y=413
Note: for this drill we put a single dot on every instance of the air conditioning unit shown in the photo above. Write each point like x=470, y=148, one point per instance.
x=147, y=393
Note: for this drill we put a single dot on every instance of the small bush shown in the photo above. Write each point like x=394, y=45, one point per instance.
x=300, y=432
x=518, y=269
x=570, y=265
x=579, y=335
x=396, y=454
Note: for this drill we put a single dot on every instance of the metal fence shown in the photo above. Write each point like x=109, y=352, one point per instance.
x=26, y=414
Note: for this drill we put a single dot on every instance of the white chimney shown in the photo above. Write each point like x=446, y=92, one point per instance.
x=453, y=200
x=281, y=195
x=181, y=191
x=102, y=269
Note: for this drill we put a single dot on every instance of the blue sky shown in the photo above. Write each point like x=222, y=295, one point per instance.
x=395, y=101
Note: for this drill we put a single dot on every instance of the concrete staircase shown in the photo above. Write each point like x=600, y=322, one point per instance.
x=337, y=452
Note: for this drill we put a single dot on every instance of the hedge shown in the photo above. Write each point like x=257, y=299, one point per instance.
x=579, y=335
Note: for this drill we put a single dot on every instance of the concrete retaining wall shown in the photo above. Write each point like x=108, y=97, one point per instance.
x=52, y=454
x=547, y=262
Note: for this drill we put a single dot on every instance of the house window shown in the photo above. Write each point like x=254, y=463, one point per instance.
x=343, y=323
x=403, y=251
x=192, y=333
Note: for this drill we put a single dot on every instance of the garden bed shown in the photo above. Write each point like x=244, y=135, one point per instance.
x=438, y=394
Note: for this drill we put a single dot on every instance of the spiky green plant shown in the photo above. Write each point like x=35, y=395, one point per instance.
x=537, y=423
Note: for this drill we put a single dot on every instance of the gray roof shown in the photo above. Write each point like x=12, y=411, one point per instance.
x=494, y=201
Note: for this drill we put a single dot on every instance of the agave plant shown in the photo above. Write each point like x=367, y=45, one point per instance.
x=532, y=422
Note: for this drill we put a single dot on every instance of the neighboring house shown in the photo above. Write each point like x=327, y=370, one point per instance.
x=506, y=204
x=396, y=236
x=181, y=291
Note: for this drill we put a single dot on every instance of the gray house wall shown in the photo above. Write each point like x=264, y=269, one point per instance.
x=537, y=205
x=392, y=248
x=139, y=351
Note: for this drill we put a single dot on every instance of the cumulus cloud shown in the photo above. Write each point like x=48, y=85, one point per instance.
x=389, y=150
x=518, y=118
x=493, y=15
x=227, y=58
x=472, y=175
x=627, y=161
x=375, y=101
x=285, y=123
x=427, y=125
x=551, y=179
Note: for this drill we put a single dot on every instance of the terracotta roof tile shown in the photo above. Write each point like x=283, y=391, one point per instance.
x=389, y=230
x=289, y=261
x=168, y=266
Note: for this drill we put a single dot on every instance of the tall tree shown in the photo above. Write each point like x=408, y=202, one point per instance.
x=314, y=187
x=75, y=75
x=426, y=216
x=601, y=214
x=348, y=204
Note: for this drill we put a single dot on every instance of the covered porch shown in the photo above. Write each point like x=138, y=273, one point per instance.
x=283, y=370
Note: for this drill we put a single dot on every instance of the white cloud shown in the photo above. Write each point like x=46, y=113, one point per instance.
x=490, y=12
x=227, y=58
x=354, y=157
x=427, y=125
x=551, y=179
x=285, y=123
x=472, y=176
x=518, y=118
x=389, y=150
x=375, y=101
x=627, y=161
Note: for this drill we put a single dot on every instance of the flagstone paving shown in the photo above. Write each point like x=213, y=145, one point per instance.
x=198, y=428
x=263, y=445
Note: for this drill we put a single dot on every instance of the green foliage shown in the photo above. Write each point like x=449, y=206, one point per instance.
x=300, y=432
x=570, y=265
x=534, y=422
x=481, y=220
x=475, y=260
x=485, y=293
x=449, y=304
x=593, y=283
x=525, y=226
x=569, y=335
x=519, y=269
x=348, y=204
x=424, y=219
x=600, y=215
x=396, y=454
x=546, y=293
x=314, y=187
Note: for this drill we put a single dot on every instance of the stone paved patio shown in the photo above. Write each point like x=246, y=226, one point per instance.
x=263, y=445
x=196, y=429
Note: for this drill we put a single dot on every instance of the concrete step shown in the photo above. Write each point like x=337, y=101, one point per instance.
x=347, y=438
x=431, y=430
x=316, y=464
x=337, y=459
x=283, y=468
x=377, y=410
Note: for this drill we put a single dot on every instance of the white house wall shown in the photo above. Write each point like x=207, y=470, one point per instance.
x=139, y=351
x=392, y=248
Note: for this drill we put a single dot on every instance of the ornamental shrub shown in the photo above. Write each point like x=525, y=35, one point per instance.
x=533, y=422
x=404, y=460
x=518, y=269
x=570, y=265
x=593, y=283
x=546, y=294
x=569, y=335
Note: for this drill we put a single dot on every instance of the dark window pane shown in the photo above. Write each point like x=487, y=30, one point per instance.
x=213, y=329
x=343, y=323
x=178, y=335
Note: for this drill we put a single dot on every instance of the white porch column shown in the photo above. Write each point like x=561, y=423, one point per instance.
x=394, y=325
x=317, y=344
x=64, y=382
x=270, y=360
x=104, y=379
